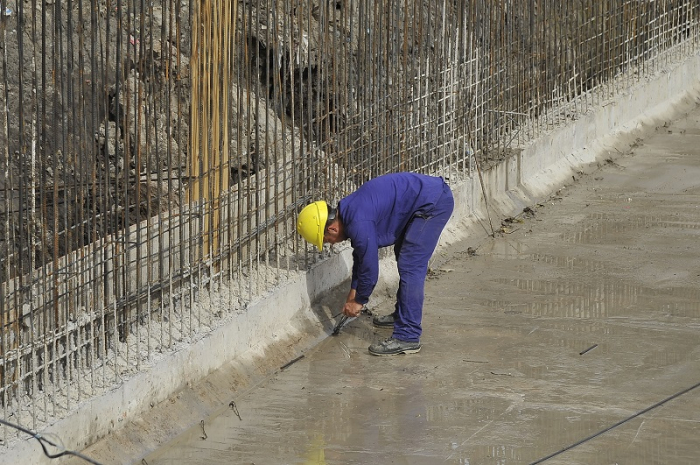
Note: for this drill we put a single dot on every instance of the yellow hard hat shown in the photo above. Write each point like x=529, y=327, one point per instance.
x=311, y=223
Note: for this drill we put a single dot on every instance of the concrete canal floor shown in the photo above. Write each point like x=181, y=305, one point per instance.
x=564, y=336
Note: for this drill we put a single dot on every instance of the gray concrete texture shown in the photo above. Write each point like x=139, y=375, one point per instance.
x=148, y=408
x=558, y=335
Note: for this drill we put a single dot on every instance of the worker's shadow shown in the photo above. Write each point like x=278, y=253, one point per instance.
x=327, y=309
x=327, y=302
x=327, y=305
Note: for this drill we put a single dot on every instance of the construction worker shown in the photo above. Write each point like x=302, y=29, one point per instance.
x=406, y=210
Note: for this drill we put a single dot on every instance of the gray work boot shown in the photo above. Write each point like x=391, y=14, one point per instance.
x=384, y=320
x=393, y=346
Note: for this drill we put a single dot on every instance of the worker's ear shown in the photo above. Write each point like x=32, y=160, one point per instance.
x=334, y=227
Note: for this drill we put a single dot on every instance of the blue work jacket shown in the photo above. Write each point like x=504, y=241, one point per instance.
x=376, y=215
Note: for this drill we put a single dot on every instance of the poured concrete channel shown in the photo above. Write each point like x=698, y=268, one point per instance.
x=571, y=320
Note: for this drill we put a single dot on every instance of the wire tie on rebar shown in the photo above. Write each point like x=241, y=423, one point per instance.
x=232, y=404
x=204, y=433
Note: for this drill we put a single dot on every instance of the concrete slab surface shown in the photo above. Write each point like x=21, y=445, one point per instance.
x=563, y=339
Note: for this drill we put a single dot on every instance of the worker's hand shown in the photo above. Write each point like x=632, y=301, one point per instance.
x=352, y=308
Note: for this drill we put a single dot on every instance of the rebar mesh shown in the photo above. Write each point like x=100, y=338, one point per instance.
x=155, y=154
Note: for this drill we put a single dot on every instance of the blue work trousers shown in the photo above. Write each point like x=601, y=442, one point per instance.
x=413, y=251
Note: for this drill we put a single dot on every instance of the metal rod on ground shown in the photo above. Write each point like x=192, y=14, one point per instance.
x=588, y=350
x=291, y=362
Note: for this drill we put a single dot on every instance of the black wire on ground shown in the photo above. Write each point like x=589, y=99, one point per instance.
x=291, y=362
x=658, y=404
x=43, y=440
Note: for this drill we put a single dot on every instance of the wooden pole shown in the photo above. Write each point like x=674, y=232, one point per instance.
x=213, y=31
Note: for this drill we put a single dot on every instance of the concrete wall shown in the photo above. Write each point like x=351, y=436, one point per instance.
x=187, y=385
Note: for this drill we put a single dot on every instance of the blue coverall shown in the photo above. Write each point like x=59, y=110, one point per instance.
x=409, y=211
